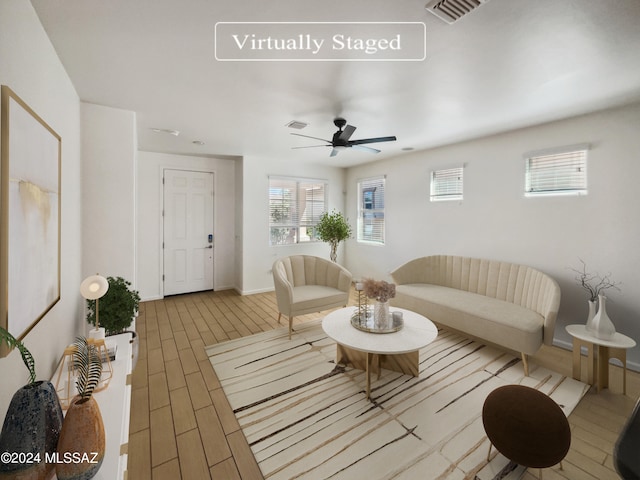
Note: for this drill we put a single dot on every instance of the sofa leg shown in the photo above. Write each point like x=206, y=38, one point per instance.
x=290, y=326
x=525, y=363
x=279, y=316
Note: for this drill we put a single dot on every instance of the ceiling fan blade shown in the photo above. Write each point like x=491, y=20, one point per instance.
x=372, y=140
x=311, y=146
x=368, y=149
x=315, y=138
x=347, y=132
x=334, y=152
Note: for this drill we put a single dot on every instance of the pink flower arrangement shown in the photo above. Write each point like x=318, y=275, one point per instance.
x=379, y=289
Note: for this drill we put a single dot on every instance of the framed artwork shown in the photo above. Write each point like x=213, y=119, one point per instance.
x=30, y=158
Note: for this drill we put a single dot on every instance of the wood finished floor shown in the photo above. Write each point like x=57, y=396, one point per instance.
x=182, y=427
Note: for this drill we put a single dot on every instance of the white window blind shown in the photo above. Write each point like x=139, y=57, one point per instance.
x=558, y=172
x=295, y=206
x=371, y=210
x=447, y=184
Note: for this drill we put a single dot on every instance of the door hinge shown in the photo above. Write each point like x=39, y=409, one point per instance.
x=163, y=277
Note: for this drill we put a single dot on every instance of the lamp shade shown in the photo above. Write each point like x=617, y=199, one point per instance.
x=94, y=287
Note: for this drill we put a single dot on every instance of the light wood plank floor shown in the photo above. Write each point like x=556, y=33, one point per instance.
x=183, y=428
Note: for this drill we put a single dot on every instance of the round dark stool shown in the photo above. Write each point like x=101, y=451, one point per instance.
x=526, y=426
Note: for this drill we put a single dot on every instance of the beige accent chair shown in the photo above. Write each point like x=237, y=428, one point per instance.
x=307, y=284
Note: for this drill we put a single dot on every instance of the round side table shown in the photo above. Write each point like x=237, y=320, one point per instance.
x=599, y=351
x=526, y=426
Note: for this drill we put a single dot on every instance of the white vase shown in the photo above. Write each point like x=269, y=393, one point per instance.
x=602, y=326
x=381, y=315
x=592, y=313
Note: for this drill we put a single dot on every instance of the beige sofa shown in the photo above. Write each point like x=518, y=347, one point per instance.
x=509, y=305
x=307, y=284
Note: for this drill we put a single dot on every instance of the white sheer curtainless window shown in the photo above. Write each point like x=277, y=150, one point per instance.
x=557, y=172
x=447, y=184
x=371, y=210
x=295, y=207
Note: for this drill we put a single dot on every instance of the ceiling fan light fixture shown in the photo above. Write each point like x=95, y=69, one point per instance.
x=342, y=139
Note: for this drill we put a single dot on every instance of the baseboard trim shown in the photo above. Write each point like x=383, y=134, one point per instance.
x=151, y=298
x=252, y=292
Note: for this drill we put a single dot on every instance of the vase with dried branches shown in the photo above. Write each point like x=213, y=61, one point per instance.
x=595, y=284
x=83, y=430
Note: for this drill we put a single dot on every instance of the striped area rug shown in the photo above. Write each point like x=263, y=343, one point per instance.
x=307, y=418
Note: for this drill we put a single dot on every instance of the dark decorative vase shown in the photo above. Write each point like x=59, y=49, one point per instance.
x=82, y=436
x=32, y=427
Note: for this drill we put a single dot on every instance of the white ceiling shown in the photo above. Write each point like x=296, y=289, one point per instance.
x=509, y=64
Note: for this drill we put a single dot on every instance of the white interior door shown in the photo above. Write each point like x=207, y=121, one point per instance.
x=188, y=231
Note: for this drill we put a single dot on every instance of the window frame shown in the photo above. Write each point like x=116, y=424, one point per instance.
x=367, y=208
x=578, y=154
x=296, y=222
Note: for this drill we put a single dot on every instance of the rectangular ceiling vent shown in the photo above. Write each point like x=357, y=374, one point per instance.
x=296, y=124
x=452, y=10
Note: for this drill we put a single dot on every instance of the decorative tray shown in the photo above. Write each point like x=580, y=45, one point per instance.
x=367, y=323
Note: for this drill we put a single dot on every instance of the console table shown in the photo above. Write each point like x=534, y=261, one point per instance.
x=115, y=407
x=599, y=352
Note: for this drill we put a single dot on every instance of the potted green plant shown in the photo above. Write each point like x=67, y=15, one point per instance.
x=117, y=307
x=116, y=310
x=33, y=421
x=333, y=228
x=82, y=432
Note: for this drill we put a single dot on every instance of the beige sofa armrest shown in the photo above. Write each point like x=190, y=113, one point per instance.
x=417, y=270
x=283, y=287
x=335, y=276
x=344, y=280
x=552, y=305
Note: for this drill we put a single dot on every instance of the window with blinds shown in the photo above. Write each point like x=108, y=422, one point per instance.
x=295, y=206
x=371, y=210
x=557, y=172
x=446, y=184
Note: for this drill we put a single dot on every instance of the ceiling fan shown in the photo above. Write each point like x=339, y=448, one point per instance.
x=341, y=138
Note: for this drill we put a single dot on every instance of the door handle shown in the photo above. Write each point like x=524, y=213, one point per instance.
x=209, y=246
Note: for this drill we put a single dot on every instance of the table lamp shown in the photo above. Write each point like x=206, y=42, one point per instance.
x=94, y=287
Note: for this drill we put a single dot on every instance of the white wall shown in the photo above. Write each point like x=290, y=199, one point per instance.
x=108, y=198
x=496, y=221
x=258, y=256
x=149, y=215
x=31, y=68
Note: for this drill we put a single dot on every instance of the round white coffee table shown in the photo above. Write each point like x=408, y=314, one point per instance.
x=399, y=351
x=599, y=352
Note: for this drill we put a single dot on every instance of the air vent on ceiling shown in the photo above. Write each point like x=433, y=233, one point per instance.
x=296, y=124
x=452, y=10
